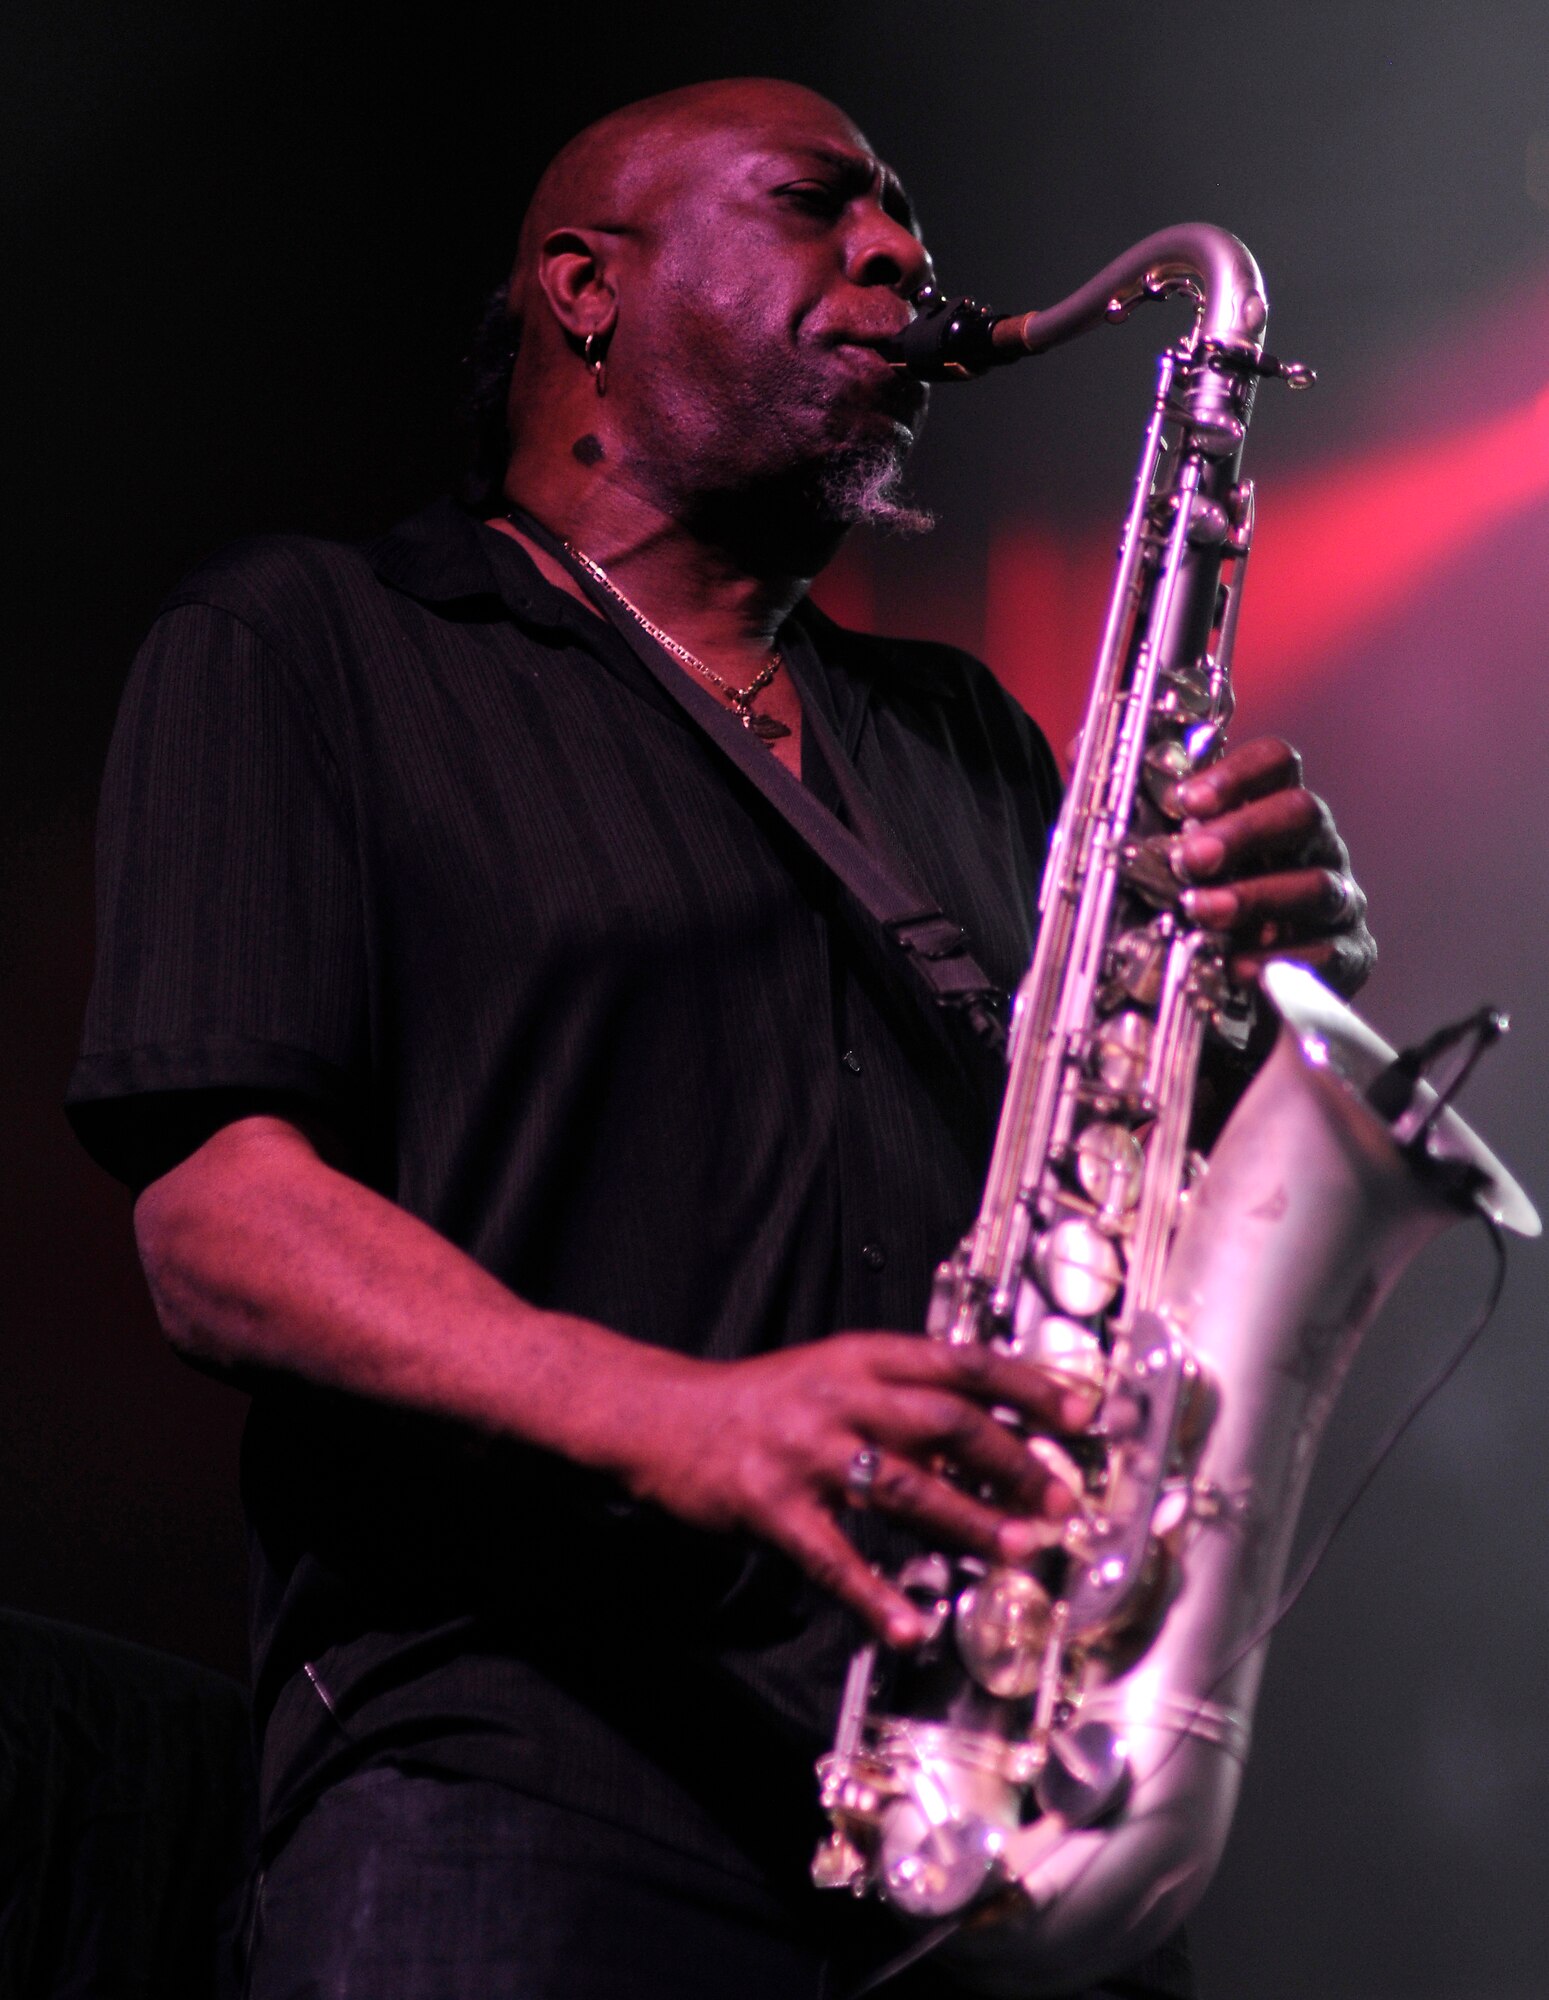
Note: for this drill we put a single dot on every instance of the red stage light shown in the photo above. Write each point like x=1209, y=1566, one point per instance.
x=1332, y=554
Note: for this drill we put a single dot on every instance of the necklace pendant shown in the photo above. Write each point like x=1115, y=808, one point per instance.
x=768, y=728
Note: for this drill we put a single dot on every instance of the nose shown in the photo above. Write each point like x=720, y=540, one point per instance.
x=883, y=252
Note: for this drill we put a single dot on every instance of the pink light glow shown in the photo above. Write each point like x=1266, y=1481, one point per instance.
x=1339, y=551
x=1333, y=552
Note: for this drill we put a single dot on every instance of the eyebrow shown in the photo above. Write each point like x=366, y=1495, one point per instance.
x=857, y=173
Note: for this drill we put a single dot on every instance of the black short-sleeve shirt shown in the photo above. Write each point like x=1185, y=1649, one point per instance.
x=406, y=836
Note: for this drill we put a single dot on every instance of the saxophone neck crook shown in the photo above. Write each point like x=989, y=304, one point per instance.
x=959, y=340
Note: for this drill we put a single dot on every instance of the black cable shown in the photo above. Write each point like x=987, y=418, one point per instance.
x=1437, y=1381
x=911, y=1956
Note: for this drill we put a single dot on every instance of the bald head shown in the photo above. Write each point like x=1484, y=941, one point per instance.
x=615, y=173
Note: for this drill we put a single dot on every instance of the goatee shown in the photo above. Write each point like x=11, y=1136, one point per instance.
x=861, y=486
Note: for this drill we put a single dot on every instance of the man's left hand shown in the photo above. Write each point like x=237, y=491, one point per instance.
x=1266, y=866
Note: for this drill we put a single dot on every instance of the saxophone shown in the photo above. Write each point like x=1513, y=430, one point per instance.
x=1046, y=1785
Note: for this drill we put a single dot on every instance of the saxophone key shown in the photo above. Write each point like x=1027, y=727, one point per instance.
x=839, y=1864
x=1186, y=693
x=1134, y=967
x=1209, y=524
x=936, y=1858
x=1216, y=437
x=1063, y=1348
x=1165, y=766
x=1110, y=1165
x=1002, y=1627
x=1121, y=1052
x=1079, y=1268
x=1061, y=1467
x=1087, y=1776
x=927, y=1582
x=1146, y=866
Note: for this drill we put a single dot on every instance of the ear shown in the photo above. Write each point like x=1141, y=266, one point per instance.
x=573, y=269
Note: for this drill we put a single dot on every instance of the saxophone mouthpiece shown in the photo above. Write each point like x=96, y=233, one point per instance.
x=948, y=340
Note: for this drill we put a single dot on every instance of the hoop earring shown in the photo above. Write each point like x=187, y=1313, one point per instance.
x=592, y=355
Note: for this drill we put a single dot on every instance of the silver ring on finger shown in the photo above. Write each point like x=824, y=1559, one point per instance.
x=861, y=1475
x=1343, y=912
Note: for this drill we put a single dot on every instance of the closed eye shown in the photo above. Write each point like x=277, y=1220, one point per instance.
x=816, y=197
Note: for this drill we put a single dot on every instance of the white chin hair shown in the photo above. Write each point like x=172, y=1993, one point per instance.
x=860, y=488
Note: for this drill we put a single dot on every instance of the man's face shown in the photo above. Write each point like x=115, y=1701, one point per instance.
x=776, y=254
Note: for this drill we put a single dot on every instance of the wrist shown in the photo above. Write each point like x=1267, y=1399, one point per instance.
x=613, y=1404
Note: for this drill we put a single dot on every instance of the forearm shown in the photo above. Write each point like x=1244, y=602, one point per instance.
x=262, y=1257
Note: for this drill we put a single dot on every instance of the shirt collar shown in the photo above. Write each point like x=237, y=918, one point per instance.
x=887, y=662
x=440, y=556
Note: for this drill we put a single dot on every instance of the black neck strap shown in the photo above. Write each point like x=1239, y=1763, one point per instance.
x=933, y=945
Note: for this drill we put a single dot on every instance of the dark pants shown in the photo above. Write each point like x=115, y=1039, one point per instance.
x=399, y=1887
x=126, y=1809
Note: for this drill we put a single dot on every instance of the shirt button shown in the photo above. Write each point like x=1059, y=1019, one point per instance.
x=873, y=1256
x=851, y=1061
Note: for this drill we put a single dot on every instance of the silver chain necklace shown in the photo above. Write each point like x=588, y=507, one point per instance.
x=767, y=727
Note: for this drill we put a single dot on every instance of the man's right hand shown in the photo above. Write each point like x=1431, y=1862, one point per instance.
x=263, y=1256
x=769, y=1445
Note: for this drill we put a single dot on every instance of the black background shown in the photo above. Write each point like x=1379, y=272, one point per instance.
x=245, y=244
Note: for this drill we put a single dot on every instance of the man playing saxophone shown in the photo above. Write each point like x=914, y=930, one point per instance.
x=542, y=1134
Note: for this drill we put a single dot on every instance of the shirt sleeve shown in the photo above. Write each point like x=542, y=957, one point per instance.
x=231, y=958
